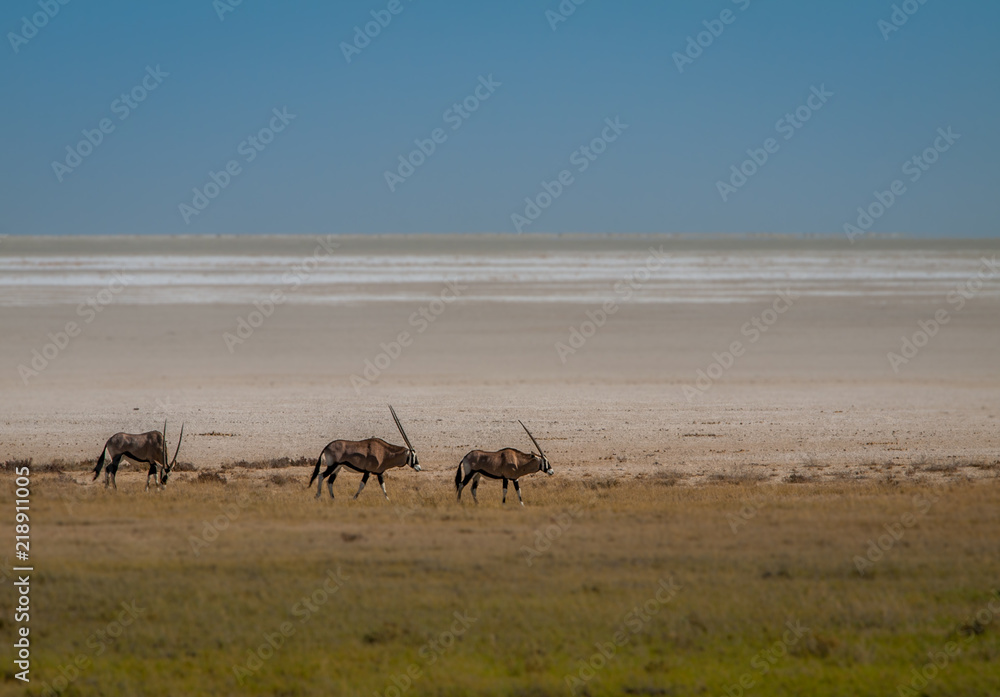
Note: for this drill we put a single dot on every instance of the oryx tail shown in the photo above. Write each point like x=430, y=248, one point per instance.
x=319, y=464
x=100, y=463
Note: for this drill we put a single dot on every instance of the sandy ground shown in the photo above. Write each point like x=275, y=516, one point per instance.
x=814, y=396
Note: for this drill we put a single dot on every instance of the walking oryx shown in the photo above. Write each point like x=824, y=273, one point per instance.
x=370, y=456
x=503, y=464
x=149, y=448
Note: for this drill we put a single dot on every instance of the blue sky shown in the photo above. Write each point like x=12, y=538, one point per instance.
x=325, y=171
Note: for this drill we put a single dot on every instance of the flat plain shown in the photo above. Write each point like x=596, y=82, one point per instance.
x=751, y=493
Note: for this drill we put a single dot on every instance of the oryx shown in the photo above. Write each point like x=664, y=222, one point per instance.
x=503, y=464
x=370, y=456
x=149, y=448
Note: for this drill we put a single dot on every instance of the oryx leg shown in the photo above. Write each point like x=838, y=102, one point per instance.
x=505, y=490
x=323, y=475
x=465, y=481
x=153, y=472
x=112, y=472
x=475, y=485
x=364, y=480
x=517, y=488
x=381, y=481
x=332, y=478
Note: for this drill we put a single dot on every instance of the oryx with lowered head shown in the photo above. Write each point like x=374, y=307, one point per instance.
x=367, y=457
x=148, y=448
x=503, y=464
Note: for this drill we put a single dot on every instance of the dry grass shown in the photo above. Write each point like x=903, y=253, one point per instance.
x=410, y=564
x=740, y=475
x=276, y=463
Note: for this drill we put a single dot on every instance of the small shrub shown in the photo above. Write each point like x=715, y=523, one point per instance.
x=279, y=479
x=210, y=478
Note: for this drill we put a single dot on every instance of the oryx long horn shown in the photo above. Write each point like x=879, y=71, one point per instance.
x=164, y=445
x=531, y=437
x=400, y=427
x=179, y=440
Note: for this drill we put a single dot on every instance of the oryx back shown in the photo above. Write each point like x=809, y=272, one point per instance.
x=372, y=455
x=502, y=464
